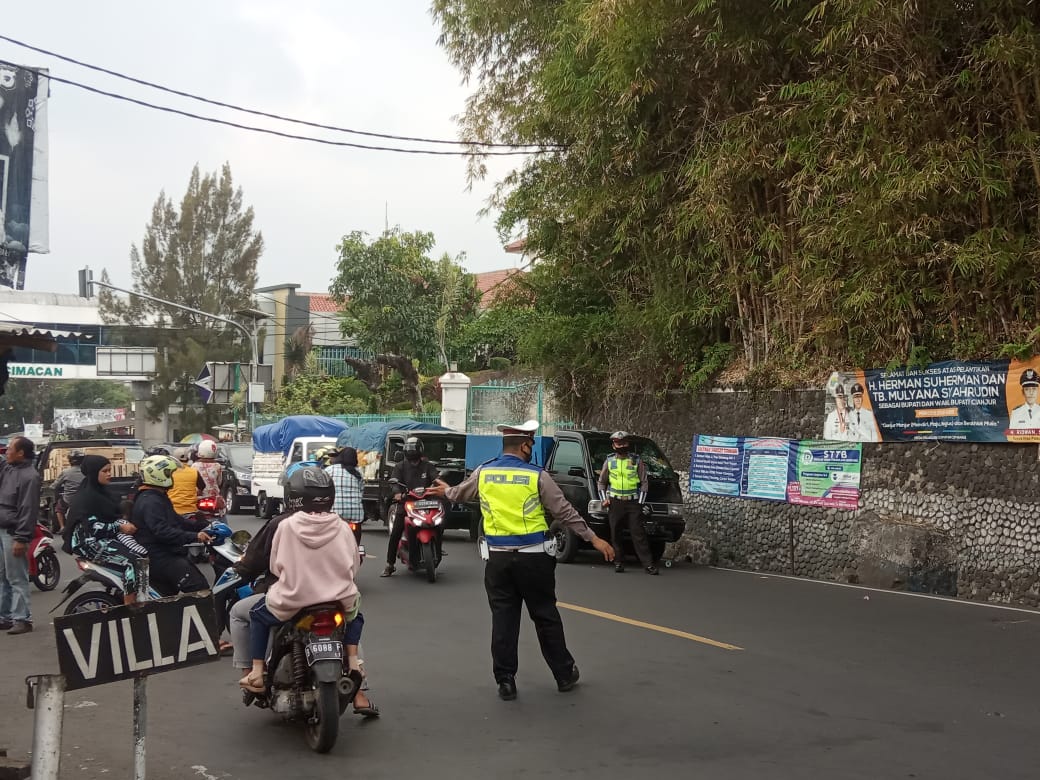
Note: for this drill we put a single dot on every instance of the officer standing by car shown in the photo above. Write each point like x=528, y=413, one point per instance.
x=622, y=486
x=519, y=551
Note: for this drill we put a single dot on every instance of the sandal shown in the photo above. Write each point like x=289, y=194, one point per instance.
x=225, y=649
x=252, y=682
x=371, y=711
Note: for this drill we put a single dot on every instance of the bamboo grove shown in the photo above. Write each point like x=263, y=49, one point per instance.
x=785, y=186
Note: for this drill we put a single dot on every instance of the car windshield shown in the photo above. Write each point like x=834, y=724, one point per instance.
x=441, y=448
x=241, y=457
x=657, y=465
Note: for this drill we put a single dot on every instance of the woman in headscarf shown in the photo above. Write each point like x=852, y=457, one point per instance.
x=94, y=528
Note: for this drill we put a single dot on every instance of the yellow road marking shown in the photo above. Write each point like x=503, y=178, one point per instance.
x=640, y=624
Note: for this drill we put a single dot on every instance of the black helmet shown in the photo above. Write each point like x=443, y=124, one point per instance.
x=1029, y=378
x=76, y=457
x=413, y=447
x=309, y=488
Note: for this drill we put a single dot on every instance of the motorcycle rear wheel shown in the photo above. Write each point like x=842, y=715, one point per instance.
x=92, y=600
x=321, y=736
x=48, y=571
x=429, y=553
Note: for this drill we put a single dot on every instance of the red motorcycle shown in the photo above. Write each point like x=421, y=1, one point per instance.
x=44, y=569
x=420, y=545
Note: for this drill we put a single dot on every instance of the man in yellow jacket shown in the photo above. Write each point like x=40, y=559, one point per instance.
x=186, y=485
x=519, y=552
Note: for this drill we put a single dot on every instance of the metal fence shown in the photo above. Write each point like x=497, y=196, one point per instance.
x=330, y=359
x=354, y=420
x=512, y=402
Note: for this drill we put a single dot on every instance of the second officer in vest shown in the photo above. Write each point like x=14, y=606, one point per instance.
x=622, y=486
x=520, y=565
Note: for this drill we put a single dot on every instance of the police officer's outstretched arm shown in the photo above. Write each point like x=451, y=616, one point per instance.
x=557, y=505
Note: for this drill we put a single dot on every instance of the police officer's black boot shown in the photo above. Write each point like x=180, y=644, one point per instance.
x=507, y=688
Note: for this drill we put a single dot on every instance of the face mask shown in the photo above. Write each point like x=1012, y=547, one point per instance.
x=526, y=454
x=623, y=450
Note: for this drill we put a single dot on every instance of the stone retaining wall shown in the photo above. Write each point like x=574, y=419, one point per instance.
x=953, y=519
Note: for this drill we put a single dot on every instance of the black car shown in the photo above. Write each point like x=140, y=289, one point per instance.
x=237, y=460
x=575, y=463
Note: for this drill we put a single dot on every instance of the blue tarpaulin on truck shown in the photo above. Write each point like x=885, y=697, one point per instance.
x=480, y=448
x=278, y=437
x=371, y=436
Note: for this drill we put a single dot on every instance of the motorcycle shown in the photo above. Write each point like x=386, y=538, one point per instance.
x=228, y=545
x=420, y=546
x=44, y=568
x=306, y=677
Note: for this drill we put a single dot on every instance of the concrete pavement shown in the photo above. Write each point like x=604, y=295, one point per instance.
x=828, y=682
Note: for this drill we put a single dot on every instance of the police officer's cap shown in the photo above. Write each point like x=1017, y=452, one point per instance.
x=839, y=390
x=857, y=389
x=1029, y=378
x=620, y=436
x=526, y=429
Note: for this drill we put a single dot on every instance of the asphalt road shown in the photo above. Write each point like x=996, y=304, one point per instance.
x=828, y=682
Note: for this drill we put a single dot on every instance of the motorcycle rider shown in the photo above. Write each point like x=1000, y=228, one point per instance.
x=209, y=469
x=162, y=532
x=315, y=559
x=414, y=471
x=66, y=485
x=255, y=567
x=187, y=484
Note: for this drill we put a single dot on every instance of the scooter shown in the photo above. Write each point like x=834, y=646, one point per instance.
x=307, y=679
x=44, y=568
x=420, y=545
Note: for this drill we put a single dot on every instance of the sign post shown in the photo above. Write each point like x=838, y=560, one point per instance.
x=140, y=683
x=46, y=696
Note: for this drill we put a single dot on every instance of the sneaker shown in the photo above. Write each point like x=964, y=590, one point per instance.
x=568, y=682
x=619, y=568
x=390, y=569
x=20, y=627
x=507, y=688
x=652, y=570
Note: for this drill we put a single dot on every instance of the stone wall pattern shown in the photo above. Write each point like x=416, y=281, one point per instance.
x=935, y=517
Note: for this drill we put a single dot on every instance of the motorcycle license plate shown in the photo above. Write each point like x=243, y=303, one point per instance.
x=427, y=503
x=323, y=651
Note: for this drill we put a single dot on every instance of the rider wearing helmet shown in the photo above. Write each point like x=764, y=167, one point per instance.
x=255, y=567
x=65, y=486
x=163, y=532
x=187, y=484
x=314, y=559
x=413, y=472
x=209, y=469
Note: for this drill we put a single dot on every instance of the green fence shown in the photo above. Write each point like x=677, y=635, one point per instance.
x=354, y=420
x=512, y=402
x=330, y=359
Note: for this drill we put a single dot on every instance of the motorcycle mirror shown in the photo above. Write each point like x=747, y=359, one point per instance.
x=241, y=537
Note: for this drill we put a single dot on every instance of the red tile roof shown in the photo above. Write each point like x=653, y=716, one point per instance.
x=322, y=303
x=516, y=247
x=491, y=284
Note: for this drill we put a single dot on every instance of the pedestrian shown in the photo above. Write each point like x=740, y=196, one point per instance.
x=519, y=553
x=414, y=471
x=19, y=513
x=622, y=486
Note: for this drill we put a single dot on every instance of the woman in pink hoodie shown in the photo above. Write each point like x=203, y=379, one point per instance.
x=315, y=557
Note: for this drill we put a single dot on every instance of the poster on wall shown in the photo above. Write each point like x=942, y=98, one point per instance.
x=23, y=94
x=812, y=473
x=992, y=401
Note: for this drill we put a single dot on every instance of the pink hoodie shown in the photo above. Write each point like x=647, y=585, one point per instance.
x=316, y=559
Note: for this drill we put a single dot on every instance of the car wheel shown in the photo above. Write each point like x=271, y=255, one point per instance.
x=566, y=542
x=231, y=500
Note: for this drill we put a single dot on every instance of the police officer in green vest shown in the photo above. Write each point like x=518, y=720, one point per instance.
x=519, y=551
x=622, y=486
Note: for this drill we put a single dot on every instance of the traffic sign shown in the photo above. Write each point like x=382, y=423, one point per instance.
x=100, y=647
x=204, y=383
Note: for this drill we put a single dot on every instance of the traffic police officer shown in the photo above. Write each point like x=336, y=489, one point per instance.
x=622, y=486
x=519, y=551
x=1027, y=415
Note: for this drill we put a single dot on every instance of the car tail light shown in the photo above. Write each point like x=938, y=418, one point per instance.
x=325, y=623
x=353, y=527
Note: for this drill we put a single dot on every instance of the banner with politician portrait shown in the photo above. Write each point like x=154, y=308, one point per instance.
x=992, y=401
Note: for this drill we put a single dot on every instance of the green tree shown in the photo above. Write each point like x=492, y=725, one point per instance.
x=202, y=254
x=801, y=184
x=394, y=300
x=34, y=400
x=312, y=391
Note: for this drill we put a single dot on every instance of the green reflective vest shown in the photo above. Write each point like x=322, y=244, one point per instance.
x=513, y=512
x=623, y=476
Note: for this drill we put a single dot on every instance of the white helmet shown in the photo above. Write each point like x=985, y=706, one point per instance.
x=207, y=449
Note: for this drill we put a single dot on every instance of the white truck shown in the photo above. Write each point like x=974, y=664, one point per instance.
x=268, y=468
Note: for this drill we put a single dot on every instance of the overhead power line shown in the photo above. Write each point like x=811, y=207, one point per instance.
x=264, y=130
x=267, y=114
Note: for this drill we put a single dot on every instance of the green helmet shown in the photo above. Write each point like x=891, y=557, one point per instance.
x=157, y=470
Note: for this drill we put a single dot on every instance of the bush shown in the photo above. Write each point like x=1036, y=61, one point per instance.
x=500, y=364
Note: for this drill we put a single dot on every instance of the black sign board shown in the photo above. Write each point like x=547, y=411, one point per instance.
x=124, y=642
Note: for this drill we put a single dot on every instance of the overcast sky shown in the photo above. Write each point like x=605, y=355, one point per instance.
x=358, y=64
